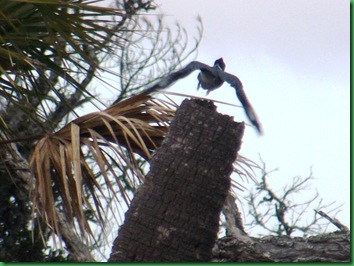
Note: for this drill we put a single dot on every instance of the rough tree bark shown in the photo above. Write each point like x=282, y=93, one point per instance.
x=331, y=247
x=238, y=246
x=174, y=216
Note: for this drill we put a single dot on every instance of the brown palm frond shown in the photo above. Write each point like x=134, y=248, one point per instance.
x=134, y=126
x=244, y=167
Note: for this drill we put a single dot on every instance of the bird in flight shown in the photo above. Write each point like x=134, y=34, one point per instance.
x=211, y=78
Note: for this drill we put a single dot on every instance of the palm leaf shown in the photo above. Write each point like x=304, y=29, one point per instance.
x=139, y=124
x=43, y=47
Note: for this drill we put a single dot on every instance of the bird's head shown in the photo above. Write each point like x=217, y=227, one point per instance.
x=220, y=64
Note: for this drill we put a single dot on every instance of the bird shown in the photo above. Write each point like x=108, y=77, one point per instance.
x=209, y=79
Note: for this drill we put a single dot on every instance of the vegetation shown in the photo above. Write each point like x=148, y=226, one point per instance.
x=51, y=51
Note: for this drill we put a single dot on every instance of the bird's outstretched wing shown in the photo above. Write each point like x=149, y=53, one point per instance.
x=182, y=73
x=226, y=77
x=241, y=95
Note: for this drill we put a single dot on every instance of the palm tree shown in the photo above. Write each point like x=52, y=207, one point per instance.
x=50, y=51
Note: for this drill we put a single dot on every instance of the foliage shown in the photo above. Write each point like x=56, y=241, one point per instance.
x=138, y=123
x=49, y=54
x=50, y=51
x=153, y=53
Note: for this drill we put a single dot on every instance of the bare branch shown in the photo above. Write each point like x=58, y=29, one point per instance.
x=334, y=221
x=283, y=213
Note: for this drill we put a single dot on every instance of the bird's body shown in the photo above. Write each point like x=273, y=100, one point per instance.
x=208, y=80
x=211, y=78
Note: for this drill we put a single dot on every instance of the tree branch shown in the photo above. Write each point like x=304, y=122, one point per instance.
x=332, y=247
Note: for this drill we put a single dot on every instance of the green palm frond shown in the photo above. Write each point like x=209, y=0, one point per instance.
x=139, y=124
x=34, y=31
x=49, y=51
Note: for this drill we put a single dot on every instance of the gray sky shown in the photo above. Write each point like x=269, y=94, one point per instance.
x=293, y=60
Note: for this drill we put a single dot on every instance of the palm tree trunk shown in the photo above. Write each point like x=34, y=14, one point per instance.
x=174, y=216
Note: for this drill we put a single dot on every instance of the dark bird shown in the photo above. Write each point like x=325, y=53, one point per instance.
x=207, y=80
x=211, y=78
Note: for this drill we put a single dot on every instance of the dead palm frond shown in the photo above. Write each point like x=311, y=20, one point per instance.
x=139, y=124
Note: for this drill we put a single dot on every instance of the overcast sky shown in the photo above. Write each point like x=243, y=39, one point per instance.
x=293, y=59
